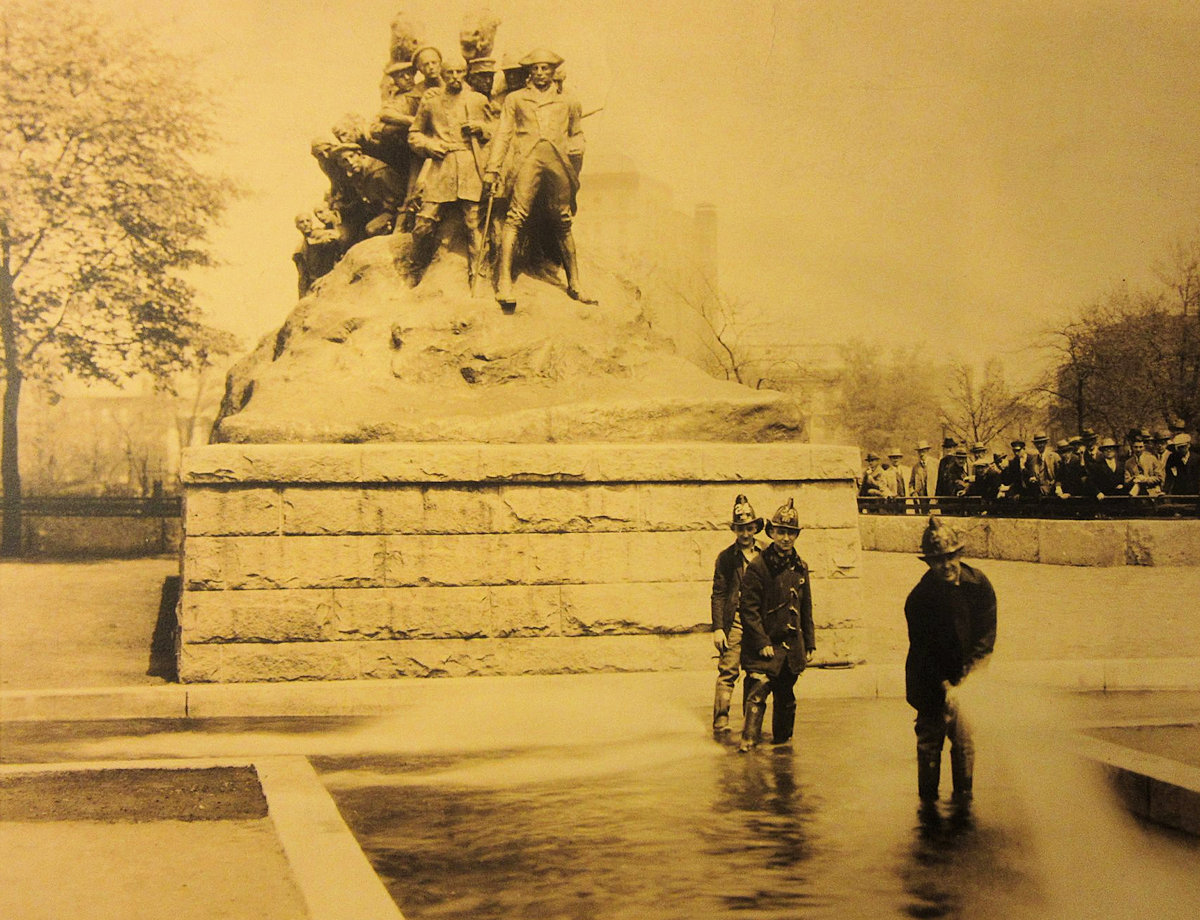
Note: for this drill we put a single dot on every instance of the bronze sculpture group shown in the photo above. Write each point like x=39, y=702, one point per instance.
x=498, y=147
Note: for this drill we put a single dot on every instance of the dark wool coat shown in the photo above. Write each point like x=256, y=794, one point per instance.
x=951, y=628
x=776, y=609
x=727, y=585
x=1101, y=479
x=1183, y=478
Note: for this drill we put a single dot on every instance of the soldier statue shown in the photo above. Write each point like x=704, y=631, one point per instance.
x=536, y=154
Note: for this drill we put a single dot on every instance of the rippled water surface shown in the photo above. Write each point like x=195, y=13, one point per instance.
x=679, y=826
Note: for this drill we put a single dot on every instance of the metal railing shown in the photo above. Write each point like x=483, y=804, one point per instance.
x=1087, y=509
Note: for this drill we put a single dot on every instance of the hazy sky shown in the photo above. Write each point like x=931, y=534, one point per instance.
x=952, y=172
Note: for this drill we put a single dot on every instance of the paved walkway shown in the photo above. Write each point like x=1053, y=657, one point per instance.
x=75, y=643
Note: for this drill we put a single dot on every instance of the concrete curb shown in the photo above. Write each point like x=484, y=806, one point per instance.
x=367, y=698
x=330, y=868
x=1163, y=790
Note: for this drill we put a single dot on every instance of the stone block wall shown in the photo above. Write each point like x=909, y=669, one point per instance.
x=386, y=560
x=1052, y=541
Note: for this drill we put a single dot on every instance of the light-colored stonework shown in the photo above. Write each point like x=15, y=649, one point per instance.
x=1056, y=542
x=345, y=561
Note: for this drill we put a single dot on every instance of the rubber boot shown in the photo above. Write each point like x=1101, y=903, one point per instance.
x=752, y=729
x=929, y=773
x=962, y=771
x=783, y=720
x=721, y=709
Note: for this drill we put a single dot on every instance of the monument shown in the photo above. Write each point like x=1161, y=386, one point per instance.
x=452, y=460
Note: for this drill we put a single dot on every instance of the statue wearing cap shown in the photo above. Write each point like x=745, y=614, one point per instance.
x=535, y=156
x=778, y=638
x=951, y=615
x=726, y=591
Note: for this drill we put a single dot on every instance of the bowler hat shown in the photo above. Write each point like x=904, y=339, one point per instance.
x=1088, y=435
x=1108, y=442
x=786, y=518
x=1040, y=436
x=939, y=539
x=1161, y=434
x=948, y=443
x=978, y=447
x=1017, y=442
x=744, y=514
x=923, y=445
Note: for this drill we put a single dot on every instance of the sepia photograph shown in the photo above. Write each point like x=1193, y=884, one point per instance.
x=596, y=459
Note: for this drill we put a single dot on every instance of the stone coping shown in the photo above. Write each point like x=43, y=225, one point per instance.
x=1163, y=790
x=420, y=462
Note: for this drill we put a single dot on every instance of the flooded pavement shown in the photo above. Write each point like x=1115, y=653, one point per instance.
x=682, y=827
x=644, y=816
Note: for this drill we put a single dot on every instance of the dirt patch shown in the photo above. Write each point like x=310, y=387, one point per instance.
x=211, y=794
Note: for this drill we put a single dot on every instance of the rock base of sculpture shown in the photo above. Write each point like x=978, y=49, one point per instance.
x=370, y=356
x=345, y=561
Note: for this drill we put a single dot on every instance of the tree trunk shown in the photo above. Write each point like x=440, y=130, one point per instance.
x=10, y=470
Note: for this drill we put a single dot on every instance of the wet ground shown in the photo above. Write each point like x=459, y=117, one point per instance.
x=670, y=824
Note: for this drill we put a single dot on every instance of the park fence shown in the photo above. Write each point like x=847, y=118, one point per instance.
x=66, y=526
x=1113, y=507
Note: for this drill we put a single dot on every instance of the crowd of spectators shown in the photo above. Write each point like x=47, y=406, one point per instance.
x=1144, y=464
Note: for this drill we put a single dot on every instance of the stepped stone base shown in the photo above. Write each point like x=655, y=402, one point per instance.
x=344, y=561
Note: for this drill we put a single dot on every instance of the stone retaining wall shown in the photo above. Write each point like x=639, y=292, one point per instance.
x=387, y=560
x=1058, y=542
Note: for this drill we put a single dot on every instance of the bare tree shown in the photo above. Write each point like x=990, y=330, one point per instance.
x=980, y=407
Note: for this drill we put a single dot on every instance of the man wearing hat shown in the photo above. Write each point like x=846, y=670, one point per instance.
x=951, y=616
x=1143, y=475
x=1106, y=476
x=726, y=590
x=952, y=473
x=538, y=147
x=918, y=477
x=872, y=484
x=896, y=474
x=1183, y=467
x=1072, y=477
x=778, y=638
x=1041, y=467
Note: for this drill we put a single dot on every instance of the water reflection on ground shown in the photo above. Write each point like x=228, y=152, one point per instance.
x=682, y=827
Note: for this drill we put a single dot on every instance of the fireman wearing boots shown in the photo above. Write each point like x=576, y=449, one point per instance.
x=777, y=629
x=726, y=590
x=951, y=616
x=536, y=155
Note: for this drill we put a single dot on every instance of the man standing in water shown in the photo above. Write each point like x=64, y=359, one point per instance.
x=726, y=590
x=951, y=617
x=777, y=630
